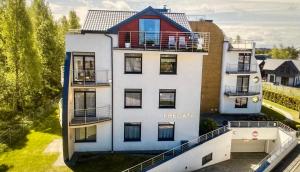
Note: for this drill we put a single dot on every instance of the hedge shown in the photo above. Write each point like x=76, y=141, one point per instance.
x=287, y=101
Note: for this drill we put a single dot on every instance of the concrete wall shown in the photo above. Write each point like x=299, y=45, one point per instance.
x=192, y=159
x=248, y=145
x=247, y=133
x=186, y=116
x=227, y=104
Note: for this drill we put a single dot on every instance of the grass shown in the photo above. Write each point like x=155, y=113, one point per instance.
x=288, y=91
x=294, y=113
x=31, y=156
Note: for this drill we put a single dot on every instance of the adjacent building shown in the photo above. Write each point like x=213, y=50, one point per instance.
x=282, y=72
x=139, y=80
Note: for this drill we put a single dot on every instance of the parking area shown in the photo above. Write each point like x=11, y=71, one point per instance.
x=241, y=162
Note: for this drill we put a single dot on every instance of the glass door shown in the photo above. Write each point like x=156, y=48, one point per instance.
x=242, y=84
x=78, y=69
x=84, y=68
x=84, y=103
x=244, y=62
x=149, y=32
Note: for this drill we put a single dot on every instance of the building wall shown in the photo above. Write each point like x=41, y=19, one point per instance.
x=100, y=45
x=227, y=104
x=186, y=116
x=248, y=145
x=192, y=159
x=212, y=66
x=247, y=133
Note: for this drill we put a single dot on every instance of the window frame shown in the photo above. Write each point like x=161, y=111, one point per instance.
x=85, y=134
x=241, y=106
x=167, y=91
x=83, y=55
x=166, y=57
x=166, y=124
x=140, y=91
x=133, y=55
x=133, y=124
x=207, y=158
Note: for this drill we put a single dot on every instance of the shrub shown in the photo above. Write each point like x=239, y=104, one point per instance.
x=3, y=148
x=287, y=101
x=207, y=125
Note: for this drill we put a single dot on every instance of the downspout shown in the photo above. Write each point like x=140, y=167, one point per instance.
x=112, y=92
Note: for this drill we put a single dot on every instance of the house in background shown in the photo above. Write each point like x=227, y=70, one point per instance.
x=282, y=72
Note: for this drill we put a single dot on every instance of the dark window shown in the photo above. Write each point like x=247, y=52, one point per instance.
x=133, y=98
x=272, y=78
x=84, y=103
x=241, y=102
x=133, y=63
x=149, y=31
x=168, y=64
x=242, y=84
x=84, y=67
x=132, y=132
x=207, y=158
x=167, y=98
x=86, y=134
x=166, y=131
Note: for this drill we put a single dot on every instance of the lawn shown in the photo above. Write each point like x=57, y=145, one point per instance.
x=31, y=158
x=294, y=113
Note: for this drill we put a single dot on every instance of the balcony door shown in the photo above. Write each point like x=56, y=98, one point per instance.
x=149, y=32
x=84, y=103
x=244, y=62
x=242, y=84
x=84, y=68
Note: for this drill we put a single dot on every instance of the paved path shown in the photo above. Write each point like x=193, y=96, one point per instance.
x=285, y=113
x=56, y=147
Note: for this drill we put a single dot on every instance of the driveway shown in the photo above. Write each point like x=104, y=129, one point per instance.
x=239, y=162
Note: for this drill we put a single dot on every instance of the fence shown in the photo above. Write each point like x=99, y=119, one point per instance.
x=13, y=133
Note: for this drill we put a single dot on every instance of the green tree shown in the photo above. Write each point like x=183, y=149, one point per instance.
x=284, y=52
x=48, y=47
x=73, y=20
x=22, y=62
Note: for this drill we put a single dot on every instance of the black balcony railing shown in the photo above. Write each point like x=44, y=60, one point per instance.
x=90, y=77
x=241, y=68
x=242, y=90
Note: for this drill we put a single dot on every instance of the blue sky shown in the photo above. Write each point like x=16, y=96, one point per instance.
x=268, y=22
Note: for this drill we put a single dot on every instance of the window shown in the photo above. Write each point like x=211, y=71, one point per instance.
x=132, y=132
x=149, y=31
x=133, y=63
x=241, y=102
x=168, y=64
x=84, y=103
x=244, y=61
x=272, y=78
x=167, y=98
x=84, y=67
x=242, y=84
x=207, y=158
x=165, y=131
x=133, y=98
x=86, y=134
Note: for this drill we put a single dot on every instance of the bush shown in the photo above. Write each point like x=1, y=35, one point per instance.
x=289, y=102
x=207, y=125
x=3, y=148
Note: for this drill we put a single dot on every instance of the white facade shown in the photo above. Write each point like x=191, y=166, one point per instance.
x=186, y=115
x=229, y=81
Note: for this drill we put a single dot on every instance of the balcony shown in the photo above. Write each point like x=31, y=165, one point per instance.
x=234, y=91
x=91, y=116
x=164, y=41
x=241, y=68
x=91, y=78
x=241, y=45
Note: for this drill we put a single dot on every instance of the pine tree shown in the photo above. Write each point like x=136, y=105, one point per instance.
x=48, y=45
x=23, y=64
x=73, y=20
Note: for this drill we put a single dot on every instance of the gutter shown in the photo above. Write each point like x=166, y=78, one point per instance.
x=112, y=92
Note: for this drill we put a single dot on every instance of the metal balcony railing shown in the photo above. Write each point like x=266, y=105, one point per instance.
x=165, y=41
x=252, y=124
x=241, y=68
x=241, y=45
x=90, y=77
x=153, y=162
x=242, y=90
x=91, y=115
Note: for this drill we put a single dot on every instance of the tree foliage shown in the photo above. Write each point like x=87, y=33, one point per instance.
x=284, y=52
x=73, y=20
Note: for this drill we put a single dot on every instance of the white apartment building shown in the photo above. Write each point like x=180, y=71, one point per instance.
x=133, y=82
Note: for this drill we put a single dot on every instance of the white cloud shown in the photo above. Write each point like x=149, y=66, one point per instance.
x=116, y=5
